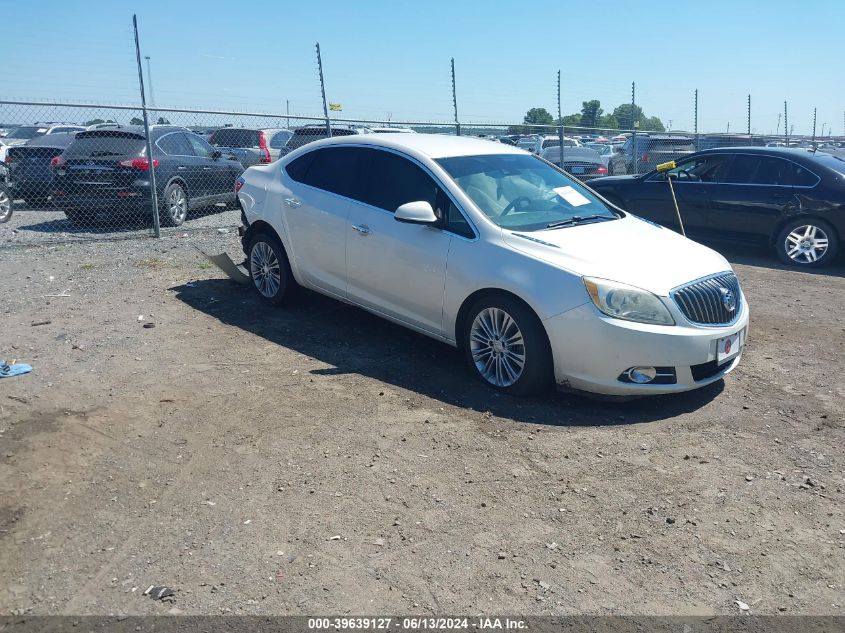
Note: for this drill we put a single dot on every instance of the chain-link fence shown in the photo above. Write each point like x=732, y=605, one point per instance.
x=72, y=171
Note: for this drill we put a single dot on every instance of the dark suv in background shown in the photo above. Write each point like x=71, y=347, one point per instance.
x=105, y=174
x=652, y=149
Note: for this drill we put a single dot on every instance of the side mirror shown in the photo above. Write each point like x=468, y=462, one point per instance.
x=216, y=154
x=419, y=212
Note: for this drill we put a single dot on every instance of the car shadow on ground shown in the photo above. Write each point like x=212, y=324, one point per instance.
x=764, y=258
x=352, y=341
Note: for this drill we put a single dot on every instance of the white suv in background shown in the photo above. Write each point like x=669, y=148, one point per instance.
x=490, y=249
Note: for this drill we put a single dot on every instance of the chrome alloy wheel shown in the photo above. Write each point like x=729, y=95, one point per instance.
x=177, y=203
x=5, y=206
x=497, y=346
x=806, y=244
x=265, y=270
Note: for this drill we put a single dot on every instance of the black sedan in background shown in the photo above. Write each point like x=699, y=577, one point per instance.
x=792, y=200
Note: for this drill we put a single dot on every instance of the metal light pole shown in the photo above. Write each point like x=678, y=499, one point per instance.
x=777, y=129
x=150, y=82
x=786, y=124
x=287, y=110
x=814, y=128
x=749, y=115
x=634, y=126
x=153, y=192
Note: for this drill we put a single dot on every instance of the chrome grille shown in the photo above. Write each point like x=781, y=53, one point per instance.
x=707, y=301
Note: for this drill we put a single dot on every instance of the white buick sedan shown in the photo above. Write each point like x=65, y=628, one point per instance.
x=493, y=250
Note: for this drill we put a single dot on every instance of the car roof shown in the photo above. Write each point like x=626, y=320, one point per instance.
x=786, y=152
x=430, y=145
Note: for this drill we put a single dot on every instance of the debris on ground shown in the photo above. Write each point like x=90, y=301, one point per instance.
x=37, y=323
x=742, y=606
x=7, y=370
x=162, y=593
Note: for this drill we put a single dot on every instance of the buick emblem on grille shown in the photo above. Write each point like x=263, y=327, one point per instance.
x=728, y=299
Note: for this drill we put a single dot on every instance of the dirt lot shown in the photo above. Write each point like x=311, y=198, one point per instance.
x=318, y=459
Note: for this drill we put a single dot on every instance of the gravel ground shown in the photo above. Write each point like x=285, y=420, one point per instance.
x=44, y=226
x=317, y=459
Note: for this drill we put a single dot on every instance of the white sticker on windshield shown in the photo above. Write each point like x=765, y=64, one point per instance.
x=575, y=198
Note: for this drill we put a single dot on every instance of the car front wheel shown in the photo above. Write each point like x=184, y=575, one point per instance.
x=808, y=243
x=269, y=268
x=506, y=346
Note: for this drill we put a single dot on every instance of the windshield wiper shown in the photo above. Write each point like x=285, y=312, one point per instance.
x=577, y=219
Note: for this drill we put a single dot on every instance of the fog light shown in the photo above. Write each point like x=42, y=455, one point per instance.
x=641, y=375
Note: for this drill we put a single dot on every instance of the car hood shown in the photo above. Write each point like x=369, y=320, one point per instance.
x=629, y=250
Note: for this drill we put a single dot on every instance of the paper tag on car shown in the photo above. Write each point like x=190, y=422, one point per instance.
x=573, y=197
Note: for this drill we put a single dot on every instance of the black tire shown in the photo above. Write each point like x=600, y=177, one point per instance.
x=798, y=243
x=173, y=206
x=537, y=372
x=6, y=202
x=36, y=202
x=265, y=254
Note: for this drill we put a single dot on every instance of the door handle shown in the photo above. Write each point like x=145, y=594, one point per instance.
x=206, y=168
x=293, y=203
x=181, y=168
x=363, y=229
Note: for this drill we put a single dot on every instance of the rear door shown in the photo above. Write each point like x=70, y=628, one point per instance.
x=316, y=214
x=185, y=164
x=756, y=192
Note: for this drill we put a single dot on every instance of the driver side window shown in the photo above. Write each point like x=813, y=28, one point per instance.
x=701, y=169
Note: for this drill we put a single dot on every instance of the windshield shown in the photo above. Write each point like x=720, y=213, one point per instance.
x=523, y=192
x=27, y=132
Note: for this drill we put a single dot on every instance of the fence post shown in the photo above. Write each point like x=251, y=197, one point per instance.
x=695, y=120
x=634, y=126
x=814, y=128
x=153, y=190
x=323, y=91
x=785, y=124
x=560, y=121
x=455, y=100
x=749, y=115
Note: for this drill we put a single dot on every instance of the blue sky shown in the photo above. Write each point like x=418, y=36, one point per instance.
x=392, y=58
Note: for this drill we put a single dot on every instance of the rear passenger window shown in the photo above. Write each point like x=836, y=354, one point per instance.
x=333, y=169
x=748, y=169
x=388, y=181
x=175, y=144
x=297, y=169
x=802, y=177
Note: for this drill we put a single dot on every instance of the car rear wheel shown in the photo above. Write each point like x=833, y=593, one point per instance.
x=506, y=346
x=269, y=268
x=5, y=205
x=174, y=206
x=808, y=243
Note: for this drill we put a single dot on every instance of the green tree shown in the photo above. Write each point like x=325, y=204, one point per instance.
x=136, y=121
x=93, y=122
x=652, y=124
x=590, y=113
x=626, y=116
x=608, y=121
x=538, y=117
x=162, y=121
x=571, y=120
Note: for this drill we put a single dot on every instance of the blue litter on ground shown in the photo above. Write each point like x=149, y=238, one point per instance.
x=7, y=370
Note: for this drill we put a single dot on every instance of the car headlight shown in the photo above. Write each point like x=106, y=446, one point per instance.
x=627, y=302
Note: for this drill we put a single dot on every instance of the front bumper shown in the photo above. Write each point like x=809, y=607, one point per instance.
x=592, y=350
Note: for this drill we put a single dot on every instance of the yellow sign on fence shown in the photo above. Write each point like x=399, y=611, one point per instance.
x=335, y=107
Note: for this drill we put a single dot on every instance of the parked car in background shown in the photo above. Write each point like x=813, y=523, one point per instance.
x=21, y=135
x=545, y=282
x=104, y=174
x=790, y=200
x=582, y=162
x=605, y=151
x=251, y=146
x=540, y=143
x=652, y=150
x=310, y=133
x=30, y=174
x=391, y=130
